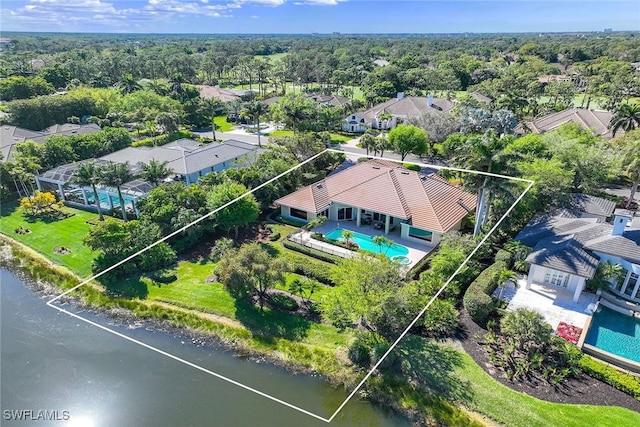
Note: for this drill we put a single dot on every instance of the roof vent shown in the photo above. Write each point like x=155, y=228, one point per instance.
x=404, y=172
x=319, y=186
x=376, y=167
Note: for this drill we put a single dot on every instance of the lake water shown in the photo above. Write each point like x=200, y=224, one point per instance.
x=53, y=362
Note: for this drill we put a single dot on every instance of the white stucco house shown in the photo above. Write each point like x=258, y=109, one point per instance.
x=189, y=160
x=384, y=194
x=389, y=114
x=567, y=251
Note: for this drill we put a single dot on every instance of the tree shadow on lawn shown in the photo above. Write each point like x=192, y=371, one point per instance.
x=269, y=324
x=432, y=365
x=130, y=288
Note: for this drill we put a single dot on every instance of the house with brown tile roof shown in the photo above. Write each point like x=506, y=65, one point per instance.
x=393, y=112
x=225, y=95
x=423, y=207
x=596, y=120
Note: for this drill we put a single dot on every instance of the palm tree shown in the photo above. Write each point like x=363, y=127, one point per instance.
x=367, y=141
x=175, y=86
x=114, y=175
x=520, y=253
x=383, y=242
x=485, y=153
x=347, y=235
x=503, y=277
x=254, y=110
x=627, y=117
x=152, y=129
x=235, y=106
x=88, y=175
x=128, y=84
x=154, y=171
x=631, y=163
x=512, y=101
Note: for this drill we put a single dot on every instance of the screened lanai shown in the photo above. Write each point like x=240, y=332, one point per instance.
x=60, y=181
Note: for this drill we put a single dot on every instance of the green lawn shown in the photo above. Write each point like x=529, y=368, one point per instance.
x=272, y=58
x=458, y=376
x=281, y=133
x=45, y=236
x=222, y=125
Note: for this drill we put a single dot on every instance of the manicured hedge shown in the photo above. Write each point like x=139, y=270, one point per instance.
x=477, y=299
x=504, y=256
x=162, y=139
x=290, y=221
x=322, y=256
x=626, y=383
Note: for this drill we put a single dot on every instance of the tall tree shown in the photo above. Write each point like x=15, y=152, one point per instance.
x=155, y=171
x=255, y=110
x=240, y=213
x=88, y=175
x=405, y=139
x=626, y=117
x=251, y=270
x=115, y=175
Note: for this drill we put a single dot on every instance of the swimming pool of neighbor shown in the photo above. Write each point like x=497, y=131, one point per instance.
x=616, y=333
x=365, y=242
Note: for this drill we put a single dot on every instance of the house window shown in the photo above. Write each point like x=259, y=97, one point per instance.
x=417, y=233
x=556, y=278
x=379, y=217
x=345, y=213
x=297, y=213
x=631, y=284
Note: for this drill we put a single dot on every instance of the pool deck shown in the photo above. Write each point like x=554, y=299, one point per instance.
x=555, y=305
x=416, y=251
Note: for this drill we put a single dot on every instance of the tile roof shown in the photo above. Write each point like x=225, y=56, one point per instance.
x=429, y=201
x=563, y=253
x=592, y=205
x=544, y=233
x=596, y=120
x=409, y=106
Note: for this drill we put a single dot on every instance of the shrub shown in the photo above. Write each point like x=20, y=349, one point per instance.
x=275, y=237
x=290, y=221
x=411, y=167
x=164, y=276
x=477, y=300
x=322, y=256
x=626, y=383
x=367, y=348
x=161, y=139
x=441, y=318
x=283, y=302
x=504, y=256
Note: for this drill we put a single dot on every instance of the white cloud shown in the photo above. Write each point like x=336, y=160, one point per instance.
x=100, y=15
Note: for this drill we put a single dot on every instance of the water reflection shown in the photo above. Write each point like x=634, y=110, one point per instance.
x=51, y=361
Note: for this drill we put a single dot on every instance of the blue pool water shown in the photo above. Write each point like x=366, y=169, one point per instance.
x=104, y=200
x=364, y=242
x=616, y=333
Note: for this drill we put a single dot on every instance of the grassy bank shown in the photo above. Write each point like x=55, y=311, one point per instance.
x=46, y=235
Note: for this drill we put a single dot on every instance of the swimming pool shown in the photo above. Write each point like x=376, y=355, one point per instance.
x=365, y=242
x=616, y=333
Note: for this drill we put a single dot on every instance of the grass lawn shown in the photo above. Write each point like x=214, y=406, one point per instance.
x=272, y=58
x=222, y=125
x=45, y=236
x=281, y=133
x=469, y=384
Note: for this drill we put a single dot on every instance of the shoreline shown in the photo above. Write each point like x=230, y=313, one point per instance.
x=124, y=316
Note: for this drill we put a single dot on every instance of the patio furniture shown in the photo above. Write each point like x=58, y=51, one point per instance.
x=378, y=226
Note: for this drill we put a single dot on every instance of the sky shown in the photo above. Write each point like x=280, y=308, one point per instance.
x=317, y=16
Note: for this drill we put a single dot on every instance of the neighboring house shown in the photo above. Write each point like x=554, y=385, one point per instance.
x=224, y=94
x=326, y=100
x=380, y=62
x=482, y=98
x=189, y=160
x=567, y=251
x=393, y=112
x=423, y=207
x=10, y=136
x=587, y=206
x=596, y=120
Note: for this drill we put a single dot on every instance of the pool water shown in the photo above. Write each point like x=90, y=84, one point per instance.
x=616, y=333
x=365, y=242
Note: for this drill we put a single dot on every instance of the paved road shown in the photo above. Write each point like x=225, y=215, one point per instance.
x=349, y=148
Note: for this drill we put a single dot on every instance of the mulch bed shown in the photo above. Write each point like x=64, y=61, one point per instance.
x=578, y=390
